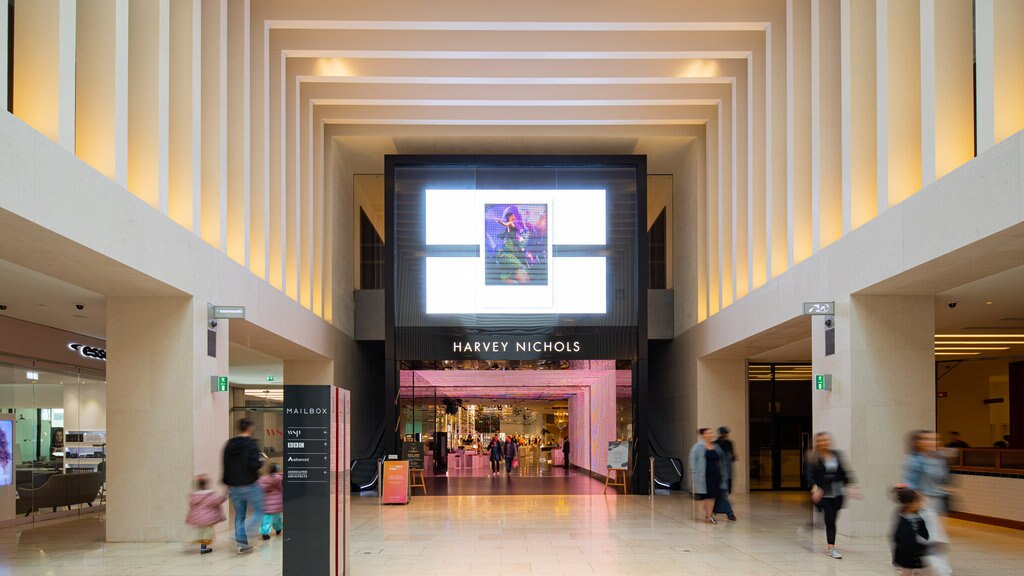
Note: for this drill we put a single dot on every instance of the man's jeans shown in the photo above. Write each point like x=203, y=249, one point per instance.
x=241, y=498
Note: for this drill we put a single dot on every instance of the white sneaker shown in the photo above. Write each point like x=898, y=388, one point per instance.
x=835, y=554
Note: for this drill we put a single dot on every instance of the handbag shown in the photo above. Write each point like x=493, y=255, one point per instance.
x=515, y=462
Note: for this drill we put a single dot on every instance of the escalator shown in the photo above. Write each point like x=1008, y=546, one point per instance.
x=366, y=468
x=668, y=470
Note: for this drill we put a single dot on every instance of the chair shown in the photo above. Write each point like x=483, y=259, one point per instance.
x=61, y=490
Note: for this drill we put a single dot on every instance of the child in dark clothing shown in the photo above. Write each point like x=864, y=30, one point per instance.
x=911, y=535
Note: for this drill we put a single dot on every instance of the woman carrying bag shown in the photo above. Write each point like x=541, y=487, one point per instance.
x=830, y=480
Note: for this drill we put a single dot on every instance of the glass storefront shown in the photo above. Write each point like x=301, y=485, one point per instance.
x=56, y=456
x=265, y=407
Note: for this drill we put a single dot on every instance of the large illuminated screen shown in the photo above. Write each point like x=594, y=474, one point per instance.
x=513, y=269
x=6, y=452
x=536, y=246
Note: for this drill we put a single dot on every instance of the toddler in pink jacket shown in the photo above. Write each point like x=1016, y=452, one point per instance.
x=204, y=511
x=273, y=501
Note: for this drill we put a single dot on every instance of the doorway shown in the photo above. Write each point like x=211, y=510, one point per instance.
x=458, y=410
x=780, y=425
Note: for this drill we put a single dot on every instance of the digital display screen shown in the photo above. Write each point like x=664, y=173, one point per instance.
x=514, y=271
x=6, y=452
x=540, y=247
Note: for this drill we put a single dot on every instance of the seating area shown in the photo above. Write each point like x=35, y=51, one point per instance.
x=58, y=491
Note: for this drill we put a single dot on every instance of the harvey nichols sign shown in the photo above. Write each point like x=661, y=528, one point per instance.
x=535, y=346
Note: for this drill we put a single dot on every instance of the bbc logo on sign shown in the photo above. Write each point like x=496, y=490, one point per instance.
x=296, y=444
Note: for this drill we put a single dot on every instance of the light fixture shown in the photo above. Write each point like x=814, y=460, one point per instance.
x=957, y=353
x=972, y=347
x=1017, y=335
x=943, y=343
x=34, y=376
x=989, y=302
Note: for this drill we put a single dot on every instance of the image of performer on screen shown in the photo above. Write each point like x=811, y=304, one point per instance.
x=516, y=244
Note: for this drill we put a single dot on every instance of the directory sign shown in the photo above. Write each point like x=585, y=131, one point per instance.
x=307, y=479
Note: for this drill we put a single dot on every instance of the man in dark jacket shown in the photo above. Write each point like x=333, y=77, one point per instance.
x=241, y=471
x=725, y=444
x=565, y=453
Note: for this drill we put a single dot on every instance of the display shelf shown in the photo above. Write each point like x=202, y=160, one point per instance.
x=84, y=450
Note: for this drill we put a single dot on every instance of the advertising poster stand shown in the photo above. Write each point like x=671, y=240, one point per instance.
x=316, y=470
x=396, y=482
x=618, y=466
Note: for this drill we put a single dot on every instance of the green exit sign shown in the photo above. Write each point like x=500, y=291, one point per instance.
x=218, y=383
x=270, y=378
x=822, y=381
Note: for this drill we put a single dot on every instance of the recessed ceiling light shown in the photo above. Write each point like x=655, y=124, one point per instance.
x=989, y=302
x=972, y=347
x=957, y=353
x=1017, y=335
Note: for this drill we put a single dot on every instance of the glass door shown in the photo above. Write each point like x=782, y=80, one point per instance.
x=780, y=425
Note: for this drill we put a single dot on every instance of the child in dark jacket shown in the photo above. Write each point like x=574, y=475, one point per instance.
x=272, y=502
x=911, y=536
x=204, y=511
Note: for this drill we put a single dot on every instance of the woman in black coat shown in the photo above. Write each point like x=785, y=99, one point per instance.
x=829, y=480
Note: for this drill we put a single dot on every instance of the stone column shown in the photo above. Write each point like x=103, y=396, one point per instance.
x=164, y=425
x=883, y=386
x=722, y=401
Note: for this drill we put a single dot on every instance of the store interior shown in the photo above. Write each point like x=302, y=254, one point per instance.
x=457, y=408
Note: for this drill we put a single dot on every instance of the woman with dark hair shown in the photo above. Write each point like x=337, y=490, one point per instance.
x=927, y=471
x=829, y=480
x=707, y=472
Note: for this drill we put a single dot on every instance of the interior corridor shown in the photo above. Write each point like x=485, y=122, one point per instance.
x=536, y=535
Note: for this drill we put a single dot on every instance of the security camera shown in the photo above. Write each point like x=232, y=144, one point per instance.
x=80, y=306
x=828, y=322
x=213, y=323
x=952, y=304
x=3, y=306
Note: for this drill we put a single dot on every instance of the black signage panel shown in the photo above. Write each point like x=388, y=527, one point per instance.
x=307, y=449
x=563, y=344
x=413, y=453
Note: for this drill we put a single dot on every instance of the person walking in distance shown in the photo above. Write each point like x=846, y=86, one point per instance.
x=495, y=455
x=511, y=453
x=726, y=445
x=926, y=470
x=565, y=453
x=707, y=471
x=830, y=480
x=241, y=471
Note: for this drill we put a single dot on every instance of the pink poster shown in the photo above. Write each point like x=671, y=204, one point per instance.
x=396, y=482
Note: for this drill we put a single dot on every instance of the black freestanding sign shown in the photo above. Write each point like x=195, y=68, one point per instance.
x=307, y=479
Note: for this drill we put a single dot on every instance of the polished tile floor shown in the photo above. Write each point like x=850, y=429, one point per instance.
x=525, y=535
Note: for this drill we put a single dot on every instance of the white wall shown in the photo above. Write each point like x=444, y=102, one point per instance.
x=989, y=496
x=85, y=406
